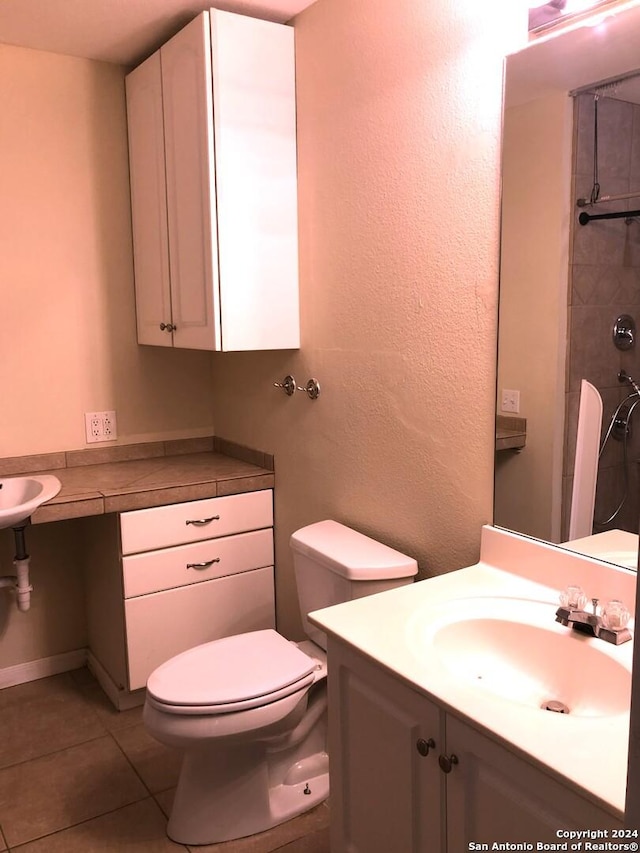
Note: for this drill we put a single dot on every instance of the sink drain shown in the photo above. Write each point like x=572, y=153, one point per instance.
x=555, y=705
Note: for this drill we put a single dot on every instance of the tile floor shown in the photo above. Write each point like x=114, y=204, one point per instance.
x=77, y=776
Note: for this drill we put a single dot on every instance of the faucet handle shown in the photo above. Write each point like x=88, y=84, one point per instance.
x=573, y=597
x=615, y=615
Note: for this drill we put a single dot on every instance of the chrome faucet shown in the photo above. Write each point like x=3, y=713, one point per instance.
x=610, y=626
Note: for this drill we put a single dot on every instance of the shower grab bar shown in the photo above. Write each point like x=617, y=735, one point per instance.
x=585, y=217
x=603, y=199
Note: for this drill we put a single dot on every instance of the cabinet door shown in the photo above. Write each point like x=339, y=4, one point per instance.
x=188, y=121
x=148, y=202
x=163, y=624
x=496, y=796
x=256, y=181
x=385, y=795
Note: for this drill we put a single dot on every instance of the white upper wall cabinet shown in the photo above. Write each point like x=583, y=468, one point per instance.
x=212, y=147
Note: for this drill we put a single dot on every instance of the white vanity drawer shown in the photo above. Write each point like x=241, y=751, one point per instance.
x=168, y=568
x=165, y=623
x=163, y=526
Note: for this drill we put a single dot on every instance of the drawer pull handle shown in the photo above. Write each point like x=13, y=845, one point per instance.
x=200, y=521
x=204, y=565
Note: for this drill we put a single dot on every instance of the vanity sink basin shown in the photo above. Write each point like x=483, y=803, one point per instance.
x=515, y=651
x=21, y=496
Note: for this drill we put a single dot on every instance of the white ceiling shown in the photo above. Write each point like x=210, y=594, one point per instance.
x=121, y=31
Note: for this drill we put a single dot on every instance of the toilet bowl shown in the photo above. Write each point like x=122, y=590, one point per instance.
x=249, y=711
x=252, y=731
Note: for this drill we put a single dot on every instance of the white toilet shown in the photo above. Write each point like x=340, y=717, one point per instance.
x=249, y=711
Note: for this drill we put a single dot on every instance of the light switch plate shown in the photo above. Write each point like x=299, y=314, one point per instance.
x=510, y=401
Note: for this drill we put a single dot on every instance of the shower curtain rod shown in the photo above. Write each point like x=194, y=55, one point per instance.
x=585, y=217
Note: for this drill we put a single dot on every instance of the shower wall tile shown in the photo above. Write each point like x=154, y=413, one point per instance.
x=592, y=356
x=600, y=242
x=631, y=253
x=634, y=166
x=598, y=284
x=607, y=494
x=607, y=285
x=629, y=285
x=615, y=130
x=611, y=398
x=612, y=489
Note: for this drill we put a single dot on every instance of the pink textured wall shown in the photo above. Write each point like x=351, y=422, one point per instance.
x=399, y=121
x=66, y=269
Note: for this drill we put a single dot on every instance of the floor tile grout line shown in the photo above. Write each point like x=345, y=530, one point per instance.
x=53, y=752
x=133, y=767
x=17, y=847
x=79, y=692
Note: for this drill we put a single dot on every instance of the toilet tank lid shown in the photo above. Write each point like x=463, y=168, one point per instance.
x=351, y=554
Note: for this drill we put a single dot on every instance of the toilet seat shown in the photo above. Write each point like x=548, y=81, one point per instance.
x=231, y=674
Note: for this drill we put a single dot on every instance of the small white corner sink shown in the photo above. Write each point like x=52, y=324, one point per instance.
x=514, y=650
x=21, y=496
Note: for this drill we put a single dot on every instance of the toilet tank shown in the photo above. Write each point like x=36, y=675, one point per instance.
x=334, y=564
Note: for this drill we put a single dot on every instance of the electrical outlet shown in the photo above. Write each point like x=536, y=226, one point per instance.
x=100, y=426
x=510, y=401
x=109, y=426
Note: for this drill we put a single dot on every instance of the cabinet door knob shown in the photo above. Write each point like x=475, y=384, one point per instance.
x=167, y=327
x=446, y=762
x=423, y=746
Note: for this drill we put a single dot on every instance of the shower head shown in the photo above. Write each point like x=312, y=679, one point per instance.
x=623, y=376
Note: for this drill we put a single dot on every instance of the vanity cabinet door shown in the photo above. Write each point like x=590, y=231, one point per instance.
x=384, y=741
x=496, y=796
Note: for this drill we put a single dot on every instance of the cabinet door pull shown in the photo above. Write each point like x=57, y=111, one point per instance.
x=168, y=327
x=198, y=522
x=204, y=565
x=446, y=762
x=423, y=746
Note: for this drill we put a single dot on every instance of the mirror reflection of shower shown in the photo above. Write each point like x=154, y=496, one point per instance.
x=620, y=429
x=604, y=295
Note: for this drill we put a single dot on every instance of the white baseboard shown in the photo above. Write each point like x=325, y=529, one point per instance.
x=35, y=669
x=122, y=699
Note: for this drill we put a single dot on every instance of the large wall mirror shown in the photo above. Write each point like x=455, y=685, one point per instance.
x=571, y=131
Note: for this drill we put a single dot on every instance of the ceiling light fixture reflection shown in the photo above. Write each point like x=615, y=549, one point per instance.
x=566, y=7
x=547, y=14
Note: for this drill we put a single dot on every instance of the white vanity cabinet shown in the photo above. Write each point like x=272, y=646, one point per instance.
x=407, y=776
x=187, y=573
x=212, y=151
x=384, y=794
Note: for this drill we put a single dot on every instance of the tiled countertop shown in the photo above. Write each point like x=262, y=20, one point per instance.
x=511, y=433
x=137, y=476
